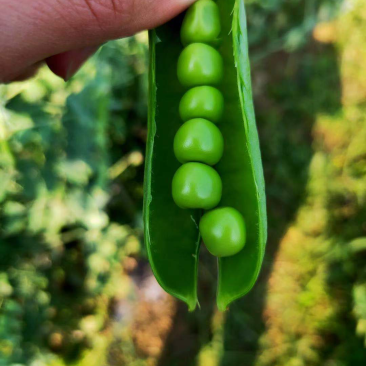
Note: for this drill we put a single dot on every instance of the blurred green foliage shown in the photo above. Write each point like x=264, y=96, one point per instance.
x=71, y=172
x=71, y=167
x=307, y=307
x=319, y=272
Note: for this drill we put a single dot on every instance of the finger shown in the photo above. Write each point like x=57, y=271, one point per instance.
x=68, y=63
x=26, y=73
x=32, y=31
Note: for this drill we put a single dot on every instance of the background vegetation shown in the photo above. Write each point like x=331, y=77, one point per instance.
x=75, y=288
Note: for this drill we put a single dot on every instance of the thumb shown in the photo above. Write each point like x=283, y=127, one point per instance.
x=33, y=31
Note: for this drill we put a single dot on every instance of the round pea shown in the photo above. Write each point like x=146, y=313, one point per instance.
x=202, y=102
x=223, y=231
x=202, y=23
x=200, y=64
x=196, y=185
x=199, y=140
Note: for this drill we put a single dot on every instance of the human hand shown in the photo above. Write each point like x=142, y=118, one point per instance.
x=64, y=33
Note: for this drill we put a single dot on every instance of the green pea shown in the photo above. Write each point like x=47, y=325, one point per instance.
x=223, y=231
x=199, y=140
x=200, y=64
x=196, y=185
x=202, y=102
x=202, y=24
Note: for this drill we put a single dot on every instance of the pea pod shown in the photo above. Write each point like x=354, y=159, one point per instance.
x=171, y=233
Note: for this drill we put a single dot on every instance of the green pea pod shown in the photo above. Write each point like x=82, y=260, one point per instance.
x=171, y=233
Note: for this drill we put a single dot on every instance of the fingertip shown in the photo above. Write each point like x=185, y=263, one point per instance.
x=150, y=14
x=67, y=64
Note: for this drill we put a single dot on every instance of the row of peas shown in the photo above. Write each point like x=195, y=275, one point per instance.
x=199, y=144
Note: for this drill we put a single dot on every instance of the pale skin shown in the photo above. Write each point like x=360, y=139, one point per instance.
x=65, y=33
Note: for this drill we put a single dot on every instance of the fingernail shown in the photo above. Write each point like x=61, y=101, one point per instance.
x=65, y=65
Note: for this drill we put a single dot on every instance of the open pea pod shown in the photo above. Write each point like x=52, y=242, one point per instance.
x=171, y=233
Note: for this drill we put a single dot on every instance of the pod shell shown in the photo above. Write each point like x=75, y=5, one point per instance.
x=171, y=234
